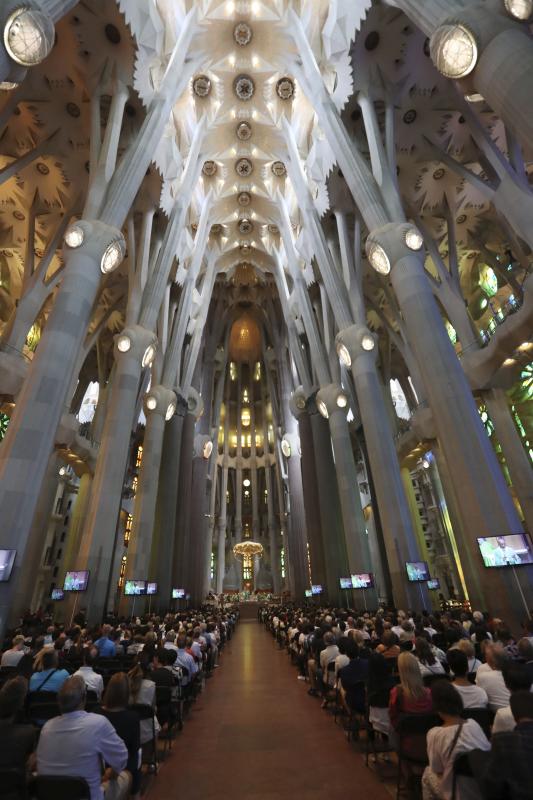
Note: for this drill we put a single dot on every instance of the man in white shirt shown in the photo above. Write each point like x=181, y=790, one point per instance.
x=93, y=681
x=170, y=641
x=76, y=743
x=517, y=678
x=491, y=679
x=472, y=696
x=12, y=657
x=329, y=653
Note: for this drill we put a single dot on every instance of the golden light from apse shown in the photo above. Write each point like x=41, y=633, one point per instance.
x=245, y=339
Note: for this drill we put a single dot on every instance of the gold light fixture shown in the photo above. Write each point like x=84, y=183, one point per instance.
x=248, y=549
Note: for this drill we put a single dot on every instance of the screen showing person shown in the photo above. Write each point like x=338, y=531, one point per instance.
x=151, y=588
x=345, y=583
x=57, y=594
x=364, y=580
x=316, y=589
x=178, y=594
x=434, y=583
x=7, y=559
x=134, y=588
x=417, y=571
x=506, y=551
x=76, y=581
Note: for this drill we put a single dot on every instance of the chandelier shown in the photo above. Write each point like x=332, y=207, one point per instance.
x=247, y=549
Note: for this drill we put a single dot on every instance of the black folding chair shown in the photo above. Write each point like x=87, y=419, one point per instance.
x=59, y=787
x=471, y=766
x=13, y=785
x=147, y=712
x=411, y=748
x=429, y=680
x=168, y=711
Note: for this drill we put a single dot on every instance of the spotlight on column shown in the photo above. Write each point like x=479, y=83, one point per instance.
x=75, y=236
x=286, y=447
x=413, y=239
x=113, y=255
x=344, y=355
x=453, y=50
x=367, y=342
x=171, y=410
x=151, y=403
x=378, y=258
x=207, y=449
x=342, y=400
x=148, y=357
x=29, y=35
x=123, y=343
x=322, y=409
x=519, y=9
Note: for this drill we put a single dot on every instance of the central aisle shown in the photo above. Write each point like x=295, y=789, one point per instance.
x=255, y=734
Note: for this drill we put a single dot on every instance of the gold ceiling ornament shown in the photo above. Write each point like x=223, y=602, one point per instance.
x=248, y=549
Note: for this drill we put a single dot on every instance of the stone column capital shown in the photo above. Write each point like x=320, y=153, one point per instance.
x=102, y=243
x=353, y=342
x=161, y=401
x=203, y=446
x=136, y=342
x=331, y=399
x=387, y=245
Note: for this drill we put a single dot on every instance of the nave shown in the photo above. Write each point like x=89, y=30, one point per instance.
x=255, y=735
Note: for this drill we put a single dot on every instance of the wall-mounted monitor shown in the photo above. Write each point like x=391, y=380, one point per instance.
x=345, y=583
x=7, y=559
x=434, y=583
x=417, y=571
x=364, y=580
x=134, y=588
x=511, y=550
x=178, y=594
x=57, y=594
x=316, y=589
x=151, y=587
x=76, y=581
x=308, y=593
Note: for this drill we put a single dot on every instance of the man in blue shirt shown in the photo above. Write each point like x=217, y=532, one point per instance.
x=104, y=645
x=184, y=659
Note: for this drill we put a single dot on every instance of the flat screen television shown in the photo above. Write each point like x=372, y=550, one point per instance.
x=434, y=583
x=76, y=581
x=134, y=588
x=345, y=583
x=417, y=571
x=511, y=550
x=364, y=580
x=57, y=594
x=308, y=592
x=178, y=594
x=151, y=587
x=316, y=589
x=7, y=559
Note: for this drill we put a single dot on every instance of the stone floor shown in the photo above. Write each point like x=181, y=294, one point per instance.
x=255, y=734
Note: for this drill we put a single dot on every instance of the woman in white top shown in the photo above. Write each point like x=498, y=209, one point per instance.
x=142, y=691
x=429, y=665
x=445, y=743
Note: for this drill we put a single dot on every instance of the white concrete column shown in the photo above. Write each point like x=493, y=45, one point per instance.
x=29, y=440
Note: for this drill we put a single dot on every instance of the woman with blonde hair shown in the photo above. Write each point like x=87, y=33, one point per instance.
x=142, y=692
x=468, y=649
x=410, y=696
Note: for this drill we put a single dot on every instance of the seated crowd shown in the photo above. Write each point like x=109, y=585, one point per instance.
x=92, y=703
x=449, y=692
